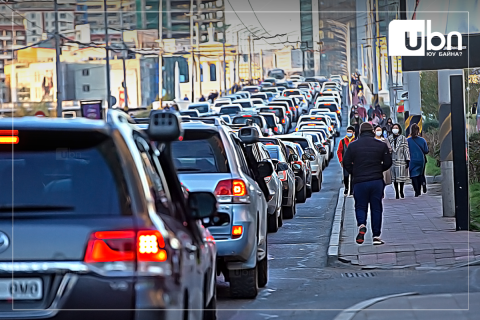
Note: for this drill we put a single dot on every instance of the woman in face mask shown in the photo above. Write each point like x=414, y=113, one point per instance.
x=418, y=150
x=400, y=159
x=379, y=132
x=389, y=126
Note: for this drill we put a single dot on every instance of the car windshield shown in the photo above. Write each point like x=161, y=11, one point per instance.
x=230, y=110
x=202, y=108
x=277, y=111
x=243, y=120
x=53, y=170
x=200, y=151
x=301, y=141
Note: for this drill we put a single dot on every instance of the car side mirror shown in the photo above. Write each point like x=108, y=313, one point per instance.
x=296, y=167
x=282, y=166
x=202, y=204
x=265, y=169
x=311, y=157
x=293, y=158
x=275, y=161
x=323, y=150
x=305, y=157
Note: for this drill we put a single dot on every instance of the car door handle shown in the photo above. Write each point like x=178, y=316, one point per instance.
x=190, y=248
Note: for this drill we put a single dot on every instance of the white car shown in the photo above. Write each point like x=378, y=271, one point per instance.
x=297, y=77
x=302, y=104
x=257, y=102
x=317, y=128
x=246, y=104
x=220, y=103
x=248, y=93
x=331, y=94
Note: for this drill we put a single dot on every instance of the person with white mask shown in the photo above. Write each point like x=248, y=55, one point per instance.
x=400, y=158
x=342, y=147
x=379, y=135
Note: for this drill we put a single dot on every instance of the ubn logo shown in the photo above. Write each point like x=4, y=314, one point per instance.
x=404, y=38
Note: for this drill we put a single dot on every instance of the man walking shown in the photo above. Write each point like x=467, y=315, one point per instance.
x=356, y=121
x=342, y=148
x=366, y=159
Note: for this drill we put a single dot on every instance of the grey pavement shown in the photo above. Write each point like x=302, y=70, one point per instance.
x=415, y=234
x=459, y=306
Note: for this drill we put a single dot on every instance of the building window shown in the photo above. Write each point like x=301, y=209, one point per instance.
x=213, y=72
x=85, y=72
x=34, y=39
x=32, y=15
x=34, y=24
x=330, y=34
x=63, y=15
x=86, y=88
x=322, y=35
x=63, y=24
x=34, y=32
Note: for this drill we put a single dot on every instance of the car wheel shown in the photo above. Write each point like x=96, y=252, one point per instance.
x=210, y=311
x=244, y=283
x=289, y=212
x=263, y=269
x=280, y=217
x=272, y=223
x=309, y=191
x=302, y=195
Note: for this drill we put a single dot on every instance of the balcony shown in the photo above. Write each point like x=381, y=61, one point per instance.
x=5, y=38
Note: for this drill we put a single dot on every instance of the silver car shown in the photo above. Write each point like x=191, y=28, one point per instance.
x=211, y=157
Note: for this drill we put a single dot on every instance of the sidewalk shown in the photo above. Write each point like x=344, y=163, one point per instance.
x=415, y=234
x=427, y=307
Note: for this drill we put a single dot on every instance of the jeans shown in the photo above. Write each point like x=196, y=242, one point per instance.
x=346, y=181
x=365, y=194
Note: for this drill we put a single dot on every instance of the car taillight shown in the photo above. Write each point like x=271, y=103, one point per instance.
x=296, y=107
x=232, y=191
x=329, y=129
x=120, y=250
x=298, y=162
x=237, y=232
x=282, y=175
x=275, y=129
x=338, y=111
x=296, y=129
x=283, y=120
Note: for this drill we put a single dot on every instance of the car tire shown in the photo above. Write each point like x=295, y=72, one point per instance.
x=289, y=212
x=316, y=185
x=302, y=195
x=210, y=311
x=263, y=269
x=272, y=223
x=244, y=283
x=280, y=218
x=309, y=191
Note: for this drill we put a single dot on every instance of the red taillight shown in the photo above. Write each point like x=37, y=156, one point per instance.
x=275, y=129
x=288, y=112
x=338, y=111
x=247, y=115
x=111, y=246
x=283, y=120
x=298, y=162
x=237, y=231
x=9, y=137
x=231, y=187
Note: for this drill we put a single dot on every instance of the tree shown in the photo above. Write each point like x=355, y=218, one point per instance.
x=429, y=89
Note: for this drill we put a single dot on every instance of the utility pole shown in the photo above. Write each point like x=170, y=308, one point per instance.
x=249, y=58
x=107, y=60
x=160, y=57
x=237, y=60
x=192, y=52
x=224, y=60
x=58, y=64
x=393, y=103
x=261, y=64
x=124, y=53
x=199, y=69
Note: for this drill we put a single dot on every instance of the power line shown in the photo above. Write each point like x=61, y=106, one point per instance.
x=244, y=23
x=253, y=10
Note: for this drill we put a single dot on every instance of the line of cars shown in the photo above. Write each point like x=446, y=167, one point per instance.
x=134, y=218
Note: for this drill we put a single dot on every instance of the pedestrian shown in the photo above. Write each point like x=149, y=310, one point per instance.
x=342, y=147
x=389, y=126
x=186, y=98
x=356, y=121
x=401, y=159
x=362, y=112
x=418, y=150
x=202, y=98
x=370, y=112
x=366, y=159
x=380, y=135
x=383, y=120
x=175, y=107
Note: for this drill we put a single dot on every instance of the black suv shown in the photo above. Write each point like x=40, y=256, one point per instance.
x=93, y=218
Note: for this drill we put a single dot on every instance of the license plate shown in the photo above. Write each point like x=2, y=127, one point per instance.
x=21, y=289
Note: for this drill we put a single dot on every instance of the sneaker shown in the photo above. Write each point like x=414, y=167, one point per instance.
x=361, y=234
x=377, y=241
x=345, y=193
x=350, y=195
x=424, y=188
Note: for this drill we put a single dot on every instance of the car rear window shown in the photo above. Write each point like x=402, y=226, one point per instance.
x=291, y=93
x=189, y=113
x=301, y=142
x=230, y=110
x=222, y=103
x=332, y=107
x=303, y=86
x=245, y=104
x=251, y=89
x=201, y=108
x=258, y=96
x=62, y=172
x=243, y=120
x=277, y=111
x=270, y=120
x=200, y=151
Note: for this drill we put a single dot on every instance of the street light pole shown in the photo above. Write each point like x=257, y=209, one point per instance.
x=224, y=61
x=249, y=59
x=124, y=53
x=192, y=52
x=58, y=64
x=107, y=60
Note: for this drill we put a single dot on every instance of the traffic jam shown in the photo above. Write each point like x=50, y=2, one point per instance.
x=135, y=218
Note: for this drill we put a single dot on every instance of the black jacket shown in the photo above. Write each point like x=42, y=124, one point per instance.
x=367, y=158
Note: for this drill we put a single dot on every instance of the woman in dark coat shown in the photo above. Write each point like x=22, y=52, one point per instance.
x=418, y=149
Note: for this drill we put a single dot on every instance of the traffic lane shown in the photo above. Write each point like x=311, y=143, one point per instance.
x=297, y=256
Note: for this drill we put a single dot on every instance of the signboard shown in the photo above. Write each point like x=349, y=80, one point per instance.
x=468, y=57
x=92, y=109
x=402, y=95
x=40, y=114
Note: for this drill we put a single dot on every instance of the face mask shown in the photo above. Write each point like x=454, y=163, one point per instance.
x=356, y=116
x=349, y=134
x=395, y=131
x=378, y=133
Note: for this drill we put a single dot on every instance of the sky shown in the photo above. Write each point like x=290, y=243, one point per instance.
x=276, y=16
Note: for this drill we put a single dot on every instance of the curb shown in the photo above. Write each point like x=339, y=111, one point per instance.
x=350, y=313
x=334, y=245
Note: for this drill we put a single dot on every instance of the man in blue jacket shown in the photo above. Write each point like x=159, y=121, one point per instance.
x=366, y=159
